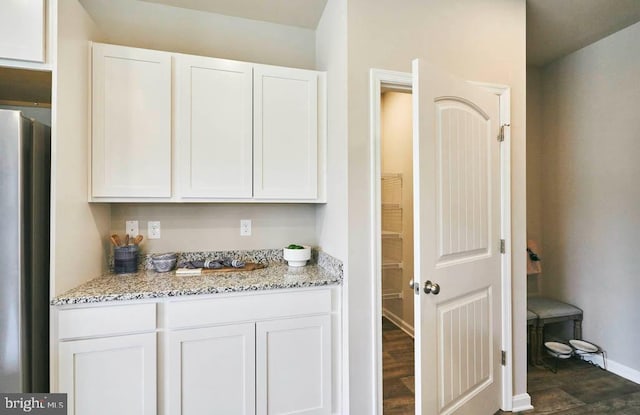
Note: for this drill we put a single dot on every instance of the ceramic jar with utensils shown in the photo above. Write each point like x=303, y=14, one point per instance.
x=125, y=259
x=125, y=255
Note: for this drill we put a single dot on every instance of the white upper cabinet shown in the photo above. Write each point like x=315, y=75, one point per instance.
x=131, y=128
x=22, y=30
x=171, y=127
x=213, y=128
x=285, y=138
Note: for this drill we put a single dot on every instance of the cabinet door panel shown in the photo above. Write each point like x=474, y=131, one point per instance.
x=22, y=34
x=212, y=370
x=131, y=130
x=285, y=133
x=214, y=128
x=293, y=359
x=113, y=375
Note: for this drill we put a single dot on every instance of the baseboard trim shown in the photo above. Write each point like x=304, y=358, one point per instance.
x=402, y=325
x=615, y=367
x=521, y=403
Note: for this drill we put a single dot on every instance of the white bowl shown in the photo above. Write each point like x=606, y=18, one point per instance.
x=297, y=257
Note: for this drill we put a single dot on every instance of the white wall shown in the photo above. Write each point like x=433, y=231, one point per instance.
x=534, y=166
x=156, y=26
x=331, y=219
x=79, y=230
x=331, y=56
x=590, y=189
x=212, y=227
x=482, y=41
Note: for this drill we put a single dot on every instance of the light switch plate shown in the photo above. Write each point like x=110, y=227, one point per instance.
x=132, y=229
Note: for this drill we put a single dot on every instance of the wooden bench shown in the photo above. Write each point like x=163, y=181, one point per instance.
x=552, y=311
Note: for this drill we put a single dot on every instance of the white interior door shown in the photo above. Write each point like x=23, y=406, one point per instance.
x=457, y=224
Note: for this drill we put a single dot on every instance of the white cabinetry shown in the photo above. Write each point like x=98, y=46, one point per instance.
x=294, y=366
x=212, y=369
x=22, y=30
x=262, y=353
x=131, y=128
x=112, y=375
x=258, y=354
x=285, y=133
x=232, y=132
x=213, y=127
x=111, y=372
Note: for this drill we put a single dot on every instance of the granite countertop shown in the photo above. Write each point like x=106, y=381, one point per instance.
x=147, y=284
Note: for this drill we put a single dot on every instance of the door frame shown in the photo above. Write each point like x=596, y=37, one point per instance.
x=403, y=80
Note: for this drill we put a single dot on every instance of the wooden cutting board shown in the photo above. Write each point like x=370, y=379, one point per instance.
x=249, y=266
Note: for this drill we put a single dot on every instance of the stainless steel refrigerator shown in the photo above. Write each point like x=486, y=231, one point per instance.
x=25, y=166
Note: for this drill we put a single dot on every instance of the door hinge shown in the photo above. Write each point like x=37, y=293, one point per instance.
x=501, y=132
x=503, y=357
x=503, y=248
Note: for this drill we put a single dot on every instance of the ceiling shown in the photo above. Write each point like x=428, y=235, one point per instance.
x=556, y=28
x=301, y=13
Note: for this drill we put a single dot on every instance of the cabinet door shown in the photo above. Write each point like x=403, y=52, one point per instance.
x=113, y=375
x=285, y=133
x=131, y=122
x=293, y=359
x=22, y=33
x=212, y=371
x=214, y=127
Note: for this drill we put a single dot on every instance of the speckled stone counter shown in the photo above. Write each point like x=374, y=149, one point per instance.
x=149, y=284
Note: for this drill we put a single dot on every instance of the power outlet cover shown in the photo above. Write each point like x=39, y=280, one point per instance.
x=245, y=227
x=153, y=229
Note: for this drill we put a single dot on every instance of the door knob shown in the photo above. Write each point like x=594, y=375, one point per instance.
x=431, y=288
x=414, y=286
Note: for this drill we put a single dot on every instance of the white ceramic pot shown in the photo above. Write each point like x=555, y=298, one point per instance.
x=297, y=257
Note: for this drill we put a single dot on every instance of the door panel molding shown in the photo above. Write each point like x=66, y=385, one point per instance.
x=464, y=333
x=462, y=196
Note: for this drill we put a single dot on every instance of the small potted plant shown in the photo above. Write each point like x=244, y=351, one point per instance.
x=297, y=255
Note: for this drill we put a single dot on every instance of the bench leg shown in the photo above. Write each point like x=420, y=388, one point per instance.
x=539, y=338
x=577, y=329
x=533, y=344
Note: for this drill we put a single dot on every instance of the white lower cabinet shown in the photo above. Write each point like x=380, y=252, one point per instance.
x=293, y=359
x=264, y=354
x=212, y=370
x=111, y=375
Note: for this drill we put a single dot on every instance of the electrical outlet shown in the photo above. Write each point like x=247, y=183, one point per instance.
x=245, y=227
x=153, y=230
x=132, y=228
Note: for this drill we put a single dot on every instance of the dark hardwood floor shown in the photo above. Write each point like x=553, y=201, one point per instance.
x=397, y=367
x=578, y=388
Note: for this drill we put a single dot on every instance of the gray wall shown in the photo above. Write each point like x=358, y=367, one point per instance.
x=591, y=216
x=534, y=167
